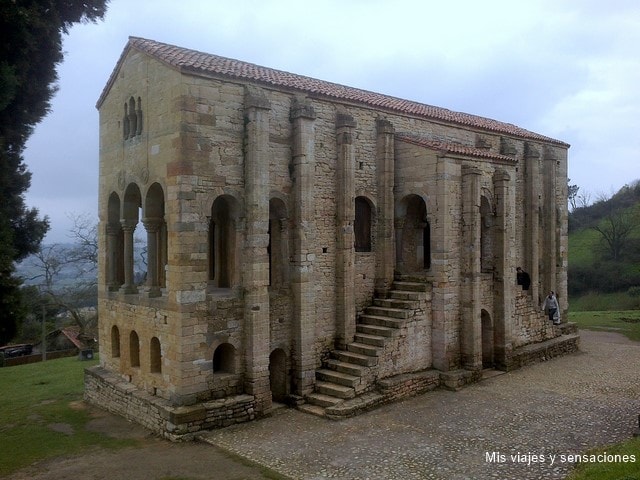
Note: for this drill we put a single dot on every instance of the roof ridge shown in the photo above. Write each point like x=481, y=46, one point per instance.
x=194, y=61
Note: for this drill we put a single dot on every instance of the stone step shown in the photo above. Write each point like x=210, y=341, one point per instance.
x=345, y=367
x=375, y=330
x=381, y=321
x=388, y=312
x=339, y=378
x=396, y=303
x=322, y=400
x=404, y=295
x=312, y=409
x=364, y=349
x=355, y=358
x=334, y=390
x=375, y=340
x=410, y=286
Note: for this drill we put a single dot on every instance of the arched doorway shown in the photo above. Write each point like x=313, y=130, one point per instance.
x=414, y=243
x=487, y=340
x=278, y=375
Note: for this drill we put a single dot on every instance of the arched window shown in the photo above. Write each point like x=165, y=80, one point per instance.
x=222, y=239
x=155, y=356
x=362, y=225
x=156, y=226
x=115, y=342
x=133, y=118
x=125, y=122
x=134, y=349
x=224, y=359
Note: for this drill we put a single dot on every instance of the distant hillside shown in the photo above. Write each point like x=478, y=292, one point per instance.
x=604, y=245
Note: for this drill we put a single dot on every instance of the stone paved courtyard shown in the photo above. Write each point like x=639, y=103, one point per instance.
x=561, y=407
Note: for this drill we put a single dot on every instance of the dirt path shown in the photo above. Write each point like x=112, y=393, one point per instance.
x=154, y=458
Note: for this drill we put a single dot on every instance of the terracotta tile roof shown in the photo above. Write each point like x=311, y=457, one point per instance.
x=454, y=148
x=206, y=64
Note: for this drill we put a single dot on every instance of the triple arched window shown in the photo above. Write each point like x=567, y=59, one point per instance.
x=132, y=120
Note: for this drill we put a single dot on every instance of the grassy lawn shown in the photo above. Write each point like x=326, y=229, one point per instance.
x=619, y=470
x=39, y=417
x=626, y=322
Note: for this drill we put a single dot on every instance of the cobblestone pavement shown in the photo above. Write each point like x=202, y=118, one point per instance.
x=560, y=407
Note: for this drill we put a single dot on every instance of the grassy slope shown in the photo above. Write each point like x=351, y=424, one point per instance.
x=585, y=249
x=37, y=399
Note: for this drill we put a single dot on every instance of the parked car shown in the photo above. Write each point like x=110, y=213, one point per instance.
x=16, y=350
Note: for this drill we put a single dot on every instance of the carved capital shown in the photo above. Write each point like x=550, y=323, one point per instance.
x=384, y=126
x=255, y=98
x=302, y=108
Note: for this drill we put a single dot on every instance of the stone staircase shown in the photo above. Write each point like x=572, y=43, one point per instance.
x=352, y=372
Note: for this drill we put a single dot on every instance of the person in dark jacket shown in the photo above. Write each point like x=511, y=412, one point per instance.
x=524, y=279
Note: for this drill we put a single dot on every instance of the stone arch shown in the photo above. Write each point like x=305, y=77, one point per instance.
x=278, y=375
x=278, y=247
x=222, y=251
x=114, y=244
x=115, y=342
x=156, y=226
x=363, y=224
x=224, y=358
x=413, y=254
x=487, y=235
x=488, y=343
x=134, y=349
x=155, y=356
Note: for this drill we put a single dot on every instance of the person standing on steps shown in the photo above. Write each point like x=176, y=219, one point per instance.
x=551, y=307
x=524, y=279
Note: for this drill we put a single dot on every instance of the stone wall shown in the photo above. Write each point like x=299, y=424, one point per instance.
x=106, y=390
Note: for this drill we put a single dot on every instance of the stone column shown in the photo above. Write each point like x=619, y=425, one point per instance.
x=471, y=329
x=113, y=229
x=532, y=218
x=255, y=265
x=503, y=280
x=128, y=227
x=345, y=216
x=152, y=226
x=385, y=165
x=304, y=311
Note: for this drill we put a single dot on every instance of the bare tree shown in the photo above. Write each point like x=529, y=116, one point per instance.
x=615, y=229
x=67, y=275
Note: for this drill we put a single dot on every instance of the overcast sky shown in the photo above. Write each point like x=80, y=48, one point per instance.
x=568, y=69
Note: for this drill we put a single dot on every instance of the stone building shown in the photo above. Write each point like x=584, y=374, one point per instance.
x=311, y=243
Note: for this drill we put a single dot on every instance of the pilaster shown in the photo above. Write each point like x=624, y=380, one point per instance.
x=532, y=217
x=549, y=223
x=303, y=150
x=345, y=215
x=385, y=165
x=471, y=330
x=503, y=281
x=255, y=270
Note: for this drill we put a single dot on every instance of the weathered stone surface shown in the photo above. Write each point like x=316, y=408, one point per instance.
x=274, y=216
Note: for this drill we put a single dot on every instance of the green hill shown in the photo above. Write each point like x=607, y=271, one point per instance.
x=604, y=253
